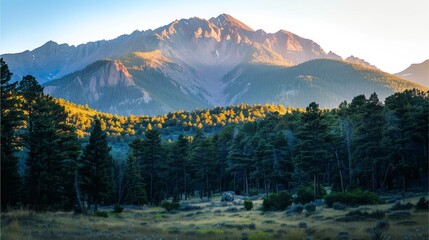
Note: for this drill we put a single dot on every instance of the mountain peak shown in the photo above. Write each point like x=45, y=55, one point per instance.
x=48, y=45
x=417, y=72
x=356, y=60
x=226, y=20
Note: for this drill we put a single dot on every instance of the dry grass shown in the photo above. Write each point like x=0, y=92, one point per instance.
x=210, y=222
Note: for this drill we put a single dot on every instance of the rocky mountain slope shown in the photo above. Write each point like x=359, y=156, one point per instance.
x=418, y=73
x=193, y=63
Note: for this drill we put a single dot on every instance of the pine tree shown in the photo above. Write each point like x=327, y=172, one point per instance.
x=179, y=166
x=30, y=90
x=311, y=150
x=347, y=123
x=11, y=120
x=201, y=161
x=263, y=163
x=52, y=149
x=135, y=189
x=239, y=160
x=281, y=160
x=222, y=144
x=152, y=155
x=368, y=139
x=338, y=147
x=96, y=167
x=55, y=151
x=405, y=135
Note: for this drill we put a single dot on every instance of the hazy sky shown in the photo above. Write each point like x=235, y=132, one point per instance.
x=390, y=34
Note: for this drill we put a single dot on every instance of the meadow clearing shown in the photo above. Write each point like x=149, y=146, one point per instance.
x=211, y=219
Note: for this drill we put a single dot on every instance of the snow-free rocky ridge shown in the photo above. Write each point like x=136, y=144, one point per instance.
x=198, y=63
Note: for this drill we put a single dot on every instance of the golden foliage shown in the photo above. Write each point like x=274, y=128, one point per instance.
x=128, y=126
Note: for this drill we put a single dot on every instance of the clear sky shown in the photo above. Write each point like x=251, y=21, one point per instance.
x=390, y=34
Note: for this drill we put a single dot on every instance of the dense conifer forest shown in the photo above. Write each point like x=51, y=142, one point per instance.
x=56, y=155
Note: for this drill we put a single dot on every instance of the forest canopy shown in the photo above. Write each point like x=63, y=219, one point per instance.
x=49, y=147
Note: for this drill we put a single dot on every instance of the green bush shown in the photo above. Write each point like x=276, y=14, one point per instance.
x=354, y=198
x=306, y=194
x=310, y=207
x=170, y=206
x=248, y=205
x=253, y=192
x=422, y=204
x=276, y=202
x=189, y=207
x=100, y=214
x=118, y=208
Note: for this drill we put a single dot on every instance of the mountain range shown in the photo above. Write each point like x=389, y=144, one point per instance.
x=198, y=63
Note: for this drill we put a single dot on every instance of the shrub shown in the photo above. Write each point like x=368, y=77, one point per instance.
x=302, y=225
x=251, y=226
x=306, y=194
x=253, y=192
x=400, y=206
x=356, y=197
x=118, y=208
x=422, y=205
x=382, y=226
x=339, y=206
x=248, y=205
x=170, y=206
x=100, y=214
x=377, y=214
x=189, y=207
x=269, y=221
x=310, y=207
x=276, y=202
x=376, y=235
x=295, y=208
x=231, y=209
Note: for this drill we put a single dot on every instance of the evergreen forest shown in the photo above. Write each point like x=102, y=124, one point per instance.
x=56, y=155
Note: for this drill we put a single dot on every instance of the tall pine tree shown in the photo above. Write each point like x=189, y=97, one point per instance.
x=11, y=120
x=179, y=166
x=152, y=155
x=405, y=136
x=52, y=149
x=368, y=139
x=311, y=150
x=96, y=167
x=135, y=188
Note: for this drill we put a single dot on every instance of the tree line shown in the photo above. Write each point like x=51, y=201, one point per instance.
x=125, y=128
x=363, y=144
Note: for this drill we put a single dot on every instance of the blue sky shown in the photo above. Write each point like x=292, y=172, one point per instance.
x=388, y=34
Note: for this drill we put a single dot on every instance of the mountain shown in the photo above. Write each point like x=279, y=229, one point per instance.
x=418, y=73
x=327, y=82
x=107, y=85
x=356, y=60
x=198, y=63
x=220, y=42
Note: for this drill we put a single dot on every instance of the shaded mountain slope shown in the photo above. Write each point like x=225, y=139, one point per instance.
x=327, y=82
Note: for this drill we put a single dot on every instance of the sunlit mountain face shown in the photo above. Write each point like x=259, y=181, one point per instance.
x=418, y=73
x=198, y=63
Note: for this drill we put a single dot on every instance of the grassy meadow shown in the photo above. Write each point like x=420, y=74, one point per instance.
x=213, y=220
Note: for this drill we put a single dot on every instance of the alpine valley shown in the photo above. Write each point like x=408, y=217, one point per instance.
x=198, y=63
